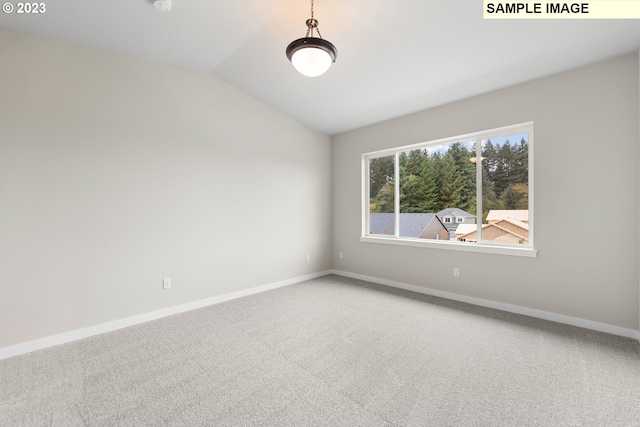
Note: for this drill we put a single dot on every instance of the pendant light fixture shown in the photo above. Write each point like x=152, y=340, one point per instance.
x=310, y=55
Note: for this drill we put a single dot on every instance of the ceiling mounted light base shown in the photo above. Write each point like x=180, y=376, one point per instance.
x=163, y=5
x=311, y=56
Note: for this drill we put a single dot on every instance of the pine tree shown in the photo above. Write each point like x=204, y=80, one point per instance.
x=411, y=193
x=412, y=186
x=381, y=171
x=490, y=161
x=489, y=199
x=452, y=185
x=502, y=174
x=510, y=198
x=431, y=195
x=467, y=174
x=413, y=163
x=520, y=167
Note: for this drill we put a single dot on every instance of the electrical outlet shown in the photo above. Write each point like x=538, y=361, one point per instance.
x=166, y=283
x=456, y=272
x=341, y=255
x=308, y=258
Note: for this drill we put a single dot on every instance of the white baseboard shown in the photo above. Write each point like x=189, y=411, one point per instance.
x=540, y=314
x=66, y=337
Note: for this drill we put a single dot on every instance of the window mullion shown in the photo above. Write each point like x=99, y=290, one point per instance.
x=479, y=167
x=396, y=194
x=366, y=195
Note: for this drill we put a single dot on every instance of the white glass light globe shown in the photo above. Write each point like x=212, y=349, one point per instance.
x=311, y=61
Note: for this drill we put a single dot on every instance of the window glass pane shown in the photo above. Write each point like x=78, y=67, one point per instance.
x=437, y=190
x=381, y=195
x=505, y=189
x=438, y=185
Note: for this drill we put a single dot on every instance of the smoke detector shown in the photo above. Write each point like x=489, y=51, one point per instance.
x=163, y=5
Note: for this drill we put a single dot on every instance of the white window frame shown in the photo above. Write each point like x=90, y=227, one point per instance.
x=480, y=246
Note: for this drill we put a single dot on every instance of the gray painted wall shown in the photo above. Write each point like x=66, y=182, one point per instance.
x=117, y=172
x=586, y=174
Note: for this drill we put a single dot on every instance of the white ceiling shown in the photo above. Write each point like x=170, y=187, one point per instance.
x=394, y=57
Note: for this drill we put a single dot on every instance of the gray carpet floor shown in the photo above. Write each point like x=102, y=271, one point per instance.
x=330, y=351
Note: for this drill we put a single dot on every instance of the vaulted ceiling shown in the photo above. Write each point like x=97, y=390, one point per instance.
x=394, y=57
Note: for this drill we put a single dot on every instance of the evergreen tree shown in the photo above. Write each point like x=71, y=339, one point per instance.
x=467, y=173
x=430, y=187
x=436, y=161
x=510, y=198
x=452, y=185
x=411, y=194
x=490, y=159
x=515, y=197
x=411, y=183
x=414, y=161
x=381, y=171
x=505, y=176
x=520, y=167
x=489, y=199
x=384, y=201
x=504, y=165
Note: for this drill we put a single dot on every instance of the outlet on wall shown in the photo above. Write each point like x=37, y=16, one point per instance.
x=456, y=272
x=341, y=255
x=166, y=283
x=308, y=258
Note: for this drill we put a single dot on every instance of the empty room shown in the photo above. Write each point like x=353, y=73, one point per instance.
x=319, y=213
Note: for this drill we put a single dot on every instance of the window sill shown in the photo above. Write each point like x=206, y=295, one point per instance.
x=525, y=251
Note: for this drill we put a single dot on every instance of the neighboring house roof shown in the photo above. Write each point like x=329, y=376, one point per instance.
x=466, y=229
x=518, y=224
x=518, y=215
x=505, y=231
x=411, y=224
x=454, y=212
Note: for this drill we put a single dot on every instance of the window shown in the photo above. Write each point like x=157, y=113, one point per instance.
x=471, y=192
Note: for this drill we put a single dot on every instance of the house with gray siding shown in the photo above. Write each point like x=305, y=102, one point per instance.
x=453, y=217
